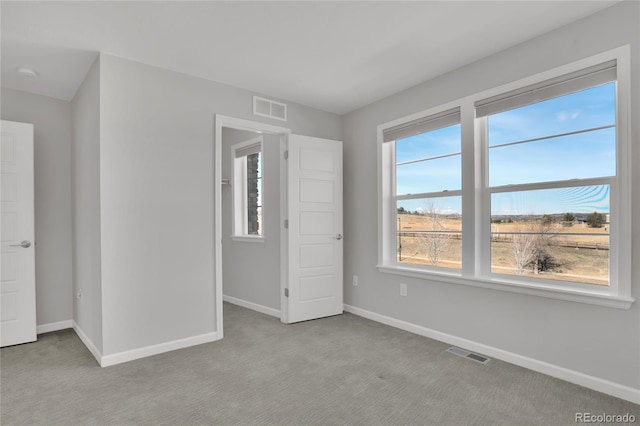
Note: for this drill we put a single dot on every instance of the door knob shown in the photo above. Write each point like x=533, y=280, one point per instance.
x=339, y=237
x=24, y=244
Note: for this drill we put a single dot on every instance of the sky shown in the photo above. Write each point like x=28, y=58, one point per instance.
x=579, y=156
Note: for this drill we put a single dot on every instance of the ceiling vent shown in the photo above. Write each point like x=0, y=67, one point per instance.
x=268, y=108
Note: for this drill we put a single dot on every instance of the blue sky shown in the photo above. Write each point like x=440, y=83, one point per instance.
x=579, y=156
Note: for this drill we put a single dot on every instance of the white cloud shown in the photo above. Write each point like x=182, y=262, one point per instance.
x=567, y=115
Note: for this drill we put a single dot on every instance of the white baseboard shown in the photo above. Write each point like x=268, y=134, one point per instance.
x=87, y=342
x=120, y=357
x=54, y=326
x=253, y=306
x=591, y=382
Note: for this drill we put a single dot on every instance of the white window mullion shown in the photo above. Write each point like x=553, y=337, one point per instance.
x=482, y=245
x=471, y=170
x=429, y=195
x=392, y=206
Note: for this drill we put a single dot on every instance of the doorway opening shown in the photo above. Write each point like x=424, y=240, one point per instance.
x=249, y=213
x=278, y=221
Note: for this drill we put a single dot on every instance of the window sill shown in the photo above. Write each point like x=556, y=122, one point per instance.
x=248, y=238
x=574, y=295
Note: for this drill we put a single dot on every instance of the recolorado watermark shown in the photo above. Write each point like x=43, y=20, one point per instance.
x=605, y=418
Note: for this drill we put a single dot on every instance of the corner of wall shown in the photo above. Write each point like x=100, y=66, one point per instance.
x=85, y=145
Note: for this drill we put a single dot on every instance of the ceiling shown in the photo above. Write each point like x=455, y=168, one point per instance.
x=334, y=56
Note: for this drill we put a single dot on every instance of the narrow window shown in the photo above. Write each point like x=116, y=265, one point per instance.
x=247, y=192
x=428, y=197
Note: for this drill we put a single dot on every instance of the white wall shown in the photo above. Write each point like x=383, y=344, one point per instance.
x=596, y=341
x=85, y=186
x=156, y=185
x=52, y=142
x=251, y=270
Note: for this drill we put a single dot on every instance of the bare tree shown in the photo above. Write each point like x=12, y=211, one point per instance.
x=435, y=241
x=532, y=247
x=542, y=247
x=522, y=249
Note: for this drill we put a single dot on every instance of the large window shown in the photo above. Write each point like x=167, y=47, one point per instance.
x=522, y=187
x=551, y=167
x=247, y=188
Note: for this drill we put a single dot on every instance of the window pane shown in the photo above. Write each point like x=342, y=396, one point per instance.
x=429, y=232
x=260, y=220
x=578, y=156
x=430, y=144
x=429, y=176
x=587, y=109
x=560, y=234
x=434, y=163
x=254, y=195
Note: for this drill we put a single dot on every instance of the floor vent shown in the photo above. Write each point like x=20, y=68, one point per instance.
x=268, y=108
x=470, y=355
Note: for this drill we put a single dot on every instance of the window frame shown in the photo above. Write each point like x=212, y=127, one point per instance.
x=426, y=195
x=476, y=199
x=239, y=192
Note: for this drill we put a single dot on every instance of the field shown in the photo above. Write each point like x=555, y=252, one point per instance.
x=573, y=251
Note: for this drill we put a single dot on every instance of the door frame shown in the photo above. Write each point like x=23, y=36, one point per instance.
x=257, y=127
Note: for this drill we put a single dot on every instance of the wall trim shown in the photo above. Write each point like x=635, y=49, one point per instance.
x=133, y=354
x=54, y=326
x=615, y=389
x=253, y=306
x=87, y=342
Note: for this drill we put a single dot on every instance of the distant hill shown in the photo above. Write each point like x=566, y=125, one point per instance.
x=557, y=217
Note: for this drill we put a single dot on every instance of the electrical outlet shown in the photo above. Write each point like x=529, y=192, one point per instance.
x=403, y=289
x=355, y=280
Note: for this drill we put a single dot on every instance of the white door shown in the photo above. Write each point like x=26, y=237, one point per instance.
x=314, y=235
x=18, y=283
